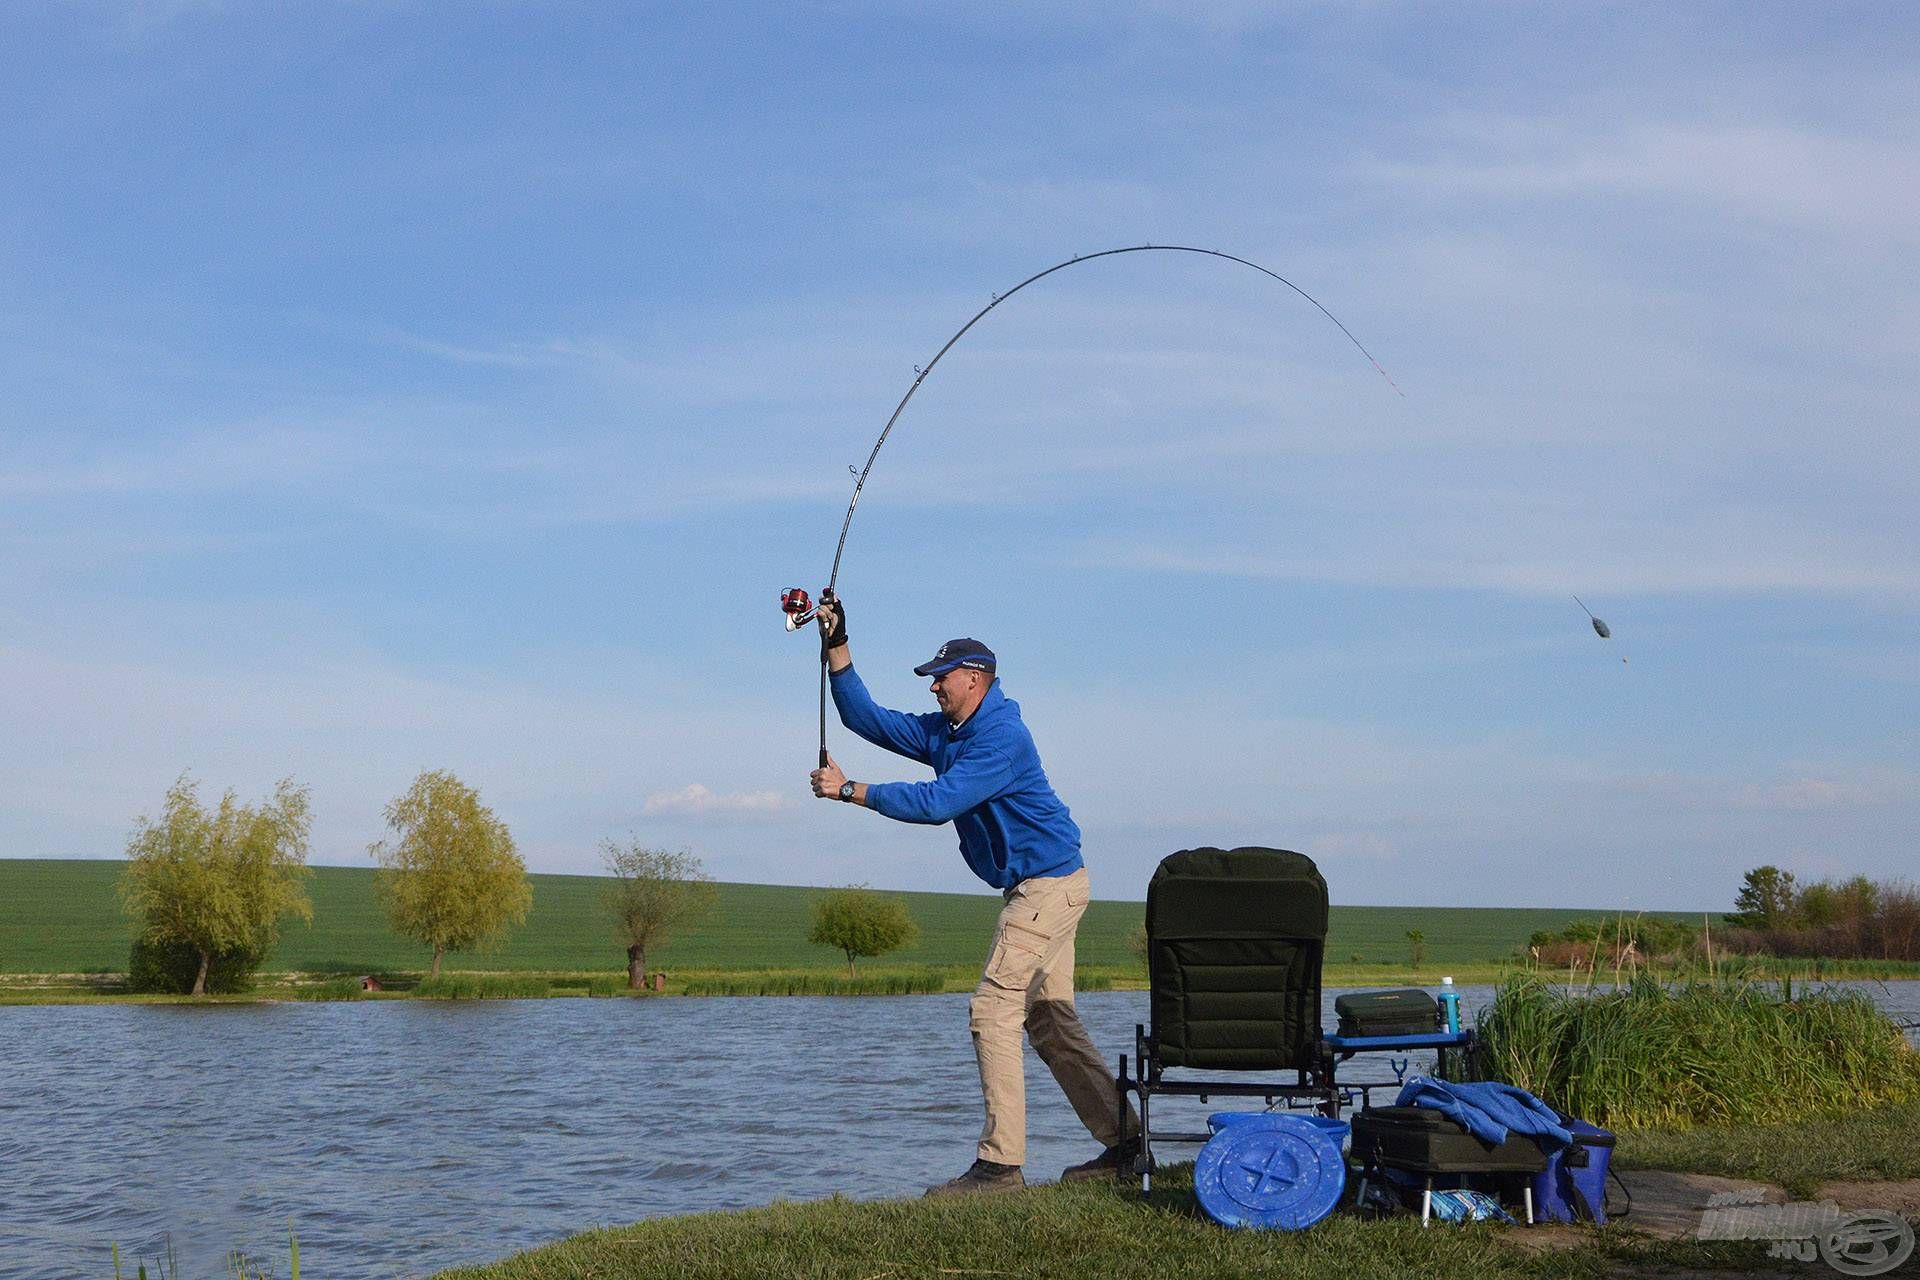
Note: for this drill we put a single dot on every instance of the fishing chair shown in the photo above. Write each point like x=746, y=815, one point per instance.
x=1235, y=942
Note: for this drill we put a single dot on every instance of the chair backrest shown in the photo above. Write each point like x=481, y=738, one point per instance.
x=1235, y=941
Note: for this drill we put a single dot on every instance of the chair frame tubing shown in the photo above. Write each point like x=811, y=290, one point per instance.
x=1315, y=1085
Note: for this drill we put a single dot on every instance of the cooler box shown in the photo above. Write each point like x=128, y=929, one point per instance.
x=1422, y=1140
x=1573, y=1186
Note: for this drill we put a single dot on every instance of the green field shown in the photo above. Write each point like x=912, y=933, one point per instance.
x=61, y=916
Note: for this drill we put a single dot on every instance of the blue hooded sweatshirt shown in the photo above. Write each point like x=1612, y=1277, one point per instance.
x=987, y=781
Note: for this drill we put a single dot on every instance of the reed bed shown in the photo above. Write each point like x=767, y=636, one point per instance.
x=483, y=986
x=332, y=989
x=166, y=1265
x=1648, y=1054
x=916, y=983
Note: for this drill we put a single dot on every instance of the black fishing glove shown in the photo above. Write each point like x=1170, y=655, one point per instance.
x=838, y=636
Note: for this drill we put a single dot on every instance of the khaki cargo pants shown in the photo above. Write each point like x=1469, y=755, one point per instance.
x=1028, y=983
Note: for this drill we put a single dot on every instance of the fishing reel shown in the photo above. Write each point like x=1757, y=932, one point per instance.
x=798, y=606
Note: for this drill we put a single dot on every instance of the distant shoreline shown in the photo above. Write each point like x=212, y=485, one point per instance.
x=64, y=916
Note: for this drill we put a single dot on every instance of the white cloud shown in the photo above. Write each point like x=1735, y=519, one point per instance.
x=1796, y=789
x=696, y=799
x=1360, y=845
x=1802, y=794
x=244, y=457
x=563, y=757
x=504, y=355
x=1777, y=171
x=1712, y=566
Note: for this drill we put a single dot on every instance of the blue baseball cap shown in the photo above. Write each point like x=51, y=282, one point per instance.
x=964, y=652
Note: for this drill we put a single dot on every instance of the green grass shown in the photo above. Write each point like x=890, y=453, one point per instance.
x=1863, y=1145
x=1653, y=1055
x=1073, y=1231
x=922, y=982
x=483, y=986
x=332, y=989
x=61, y=916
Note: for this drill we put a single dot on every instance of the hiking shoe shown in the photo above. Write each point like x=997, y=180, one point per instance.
x=985, y=1175
x=1115, y=1162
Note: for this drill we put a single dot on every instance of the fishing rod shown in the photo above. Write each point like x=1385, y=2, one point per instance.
x=794, y=601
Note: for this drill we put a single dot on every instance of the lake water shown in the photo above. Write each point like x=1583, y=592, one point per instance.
x=402, y=1137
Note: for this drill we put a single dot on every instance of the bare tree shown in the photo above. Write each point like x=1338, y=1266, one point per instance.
x=654, y=891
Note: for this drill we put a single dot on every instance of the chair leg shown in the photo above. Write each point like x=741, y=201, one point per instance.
x=1426, y=1202
x=1528, y=1196
x=1146, y=1146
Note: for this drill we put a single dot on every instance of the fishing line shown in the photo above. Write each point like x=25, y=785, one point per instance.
x=920, y=372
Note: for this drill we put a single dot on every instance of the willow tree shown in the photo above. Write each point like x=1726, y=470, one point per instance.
x=654, y=891
x=218, y=882
x=449, y=876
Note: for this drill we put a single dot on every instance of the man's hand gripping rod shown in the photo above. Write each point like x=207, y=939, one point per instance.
x=799, y=608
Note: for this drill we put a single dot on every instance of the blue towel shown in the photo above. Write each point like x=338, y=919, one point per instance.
x=1469, y=1206
x=1488, y=1111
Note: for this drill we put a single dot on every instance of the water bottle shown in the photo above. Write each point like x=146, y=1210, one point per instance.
x=1450, y=1003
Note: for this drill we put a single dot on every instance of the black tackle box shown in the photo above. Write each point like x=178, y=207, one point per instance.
x=1406, y=1012
x=1425, y=1140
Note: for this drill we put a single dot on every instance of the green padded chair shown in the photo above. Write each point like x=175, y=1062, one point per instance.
x=1235, y=941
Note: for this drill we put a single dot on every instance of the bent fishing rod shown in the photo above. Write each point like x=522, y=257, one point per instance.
x=794, y=601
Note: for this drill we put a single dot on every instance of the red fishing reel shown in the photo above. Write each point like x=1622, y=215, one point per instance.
x=798, y=606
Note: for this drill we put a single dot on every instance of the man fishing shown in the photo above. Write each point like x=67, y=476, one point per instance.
x=1016, y=835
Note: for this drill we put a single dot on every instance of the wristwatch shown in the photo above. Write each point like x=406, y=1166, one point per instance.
x=846, y=789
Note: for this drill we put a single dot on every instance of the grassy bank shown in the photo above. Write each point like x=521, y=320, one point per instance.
x=1877, y=1143
x=61, y=916
x=1077, y=1232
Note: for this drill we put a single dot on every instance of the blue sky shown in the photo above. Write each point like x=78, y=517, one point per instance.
x=395, y=386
